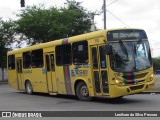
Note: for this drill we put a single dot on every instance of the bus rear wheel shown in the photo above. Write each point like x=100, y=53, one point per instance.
x=82, y=92
x=29, y=88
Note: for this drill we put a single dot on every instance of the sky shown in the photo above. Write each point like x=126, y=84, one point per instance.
x=144, y=14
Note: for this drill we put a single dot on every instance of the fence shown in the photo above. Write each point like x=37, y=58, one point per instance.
x=5, y=75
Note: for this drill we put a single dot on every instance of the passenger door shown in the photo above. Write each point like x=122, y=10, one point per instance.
x=19, y=72
x=99, y=69
x=50, y=71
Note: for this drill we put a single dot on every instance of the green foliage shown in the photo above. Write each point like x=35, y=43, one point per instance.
x=156, y=63
x=40, y=25
x=6, y=38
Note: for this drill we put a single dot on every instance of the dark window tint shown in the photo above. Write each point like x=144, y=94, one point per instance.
x=47, y=63
x=102, y=56
x=80, y=52
x=52, y=62
x=11, y=62
x=26, y=60
x=63, y=54
x=97, y=82
x=19, y=65
x=104, y=81
x=37, y=58
x=94, y=58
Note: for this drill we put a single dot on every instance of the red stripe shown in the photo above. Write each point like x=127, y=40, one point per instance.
x=65, y=40
x=69, y=89
x=129, y=78
x=66, y=72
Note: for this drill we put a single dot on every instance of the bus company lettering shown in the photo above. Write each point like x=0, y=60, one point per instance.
x=82, y=66
x=27, y=114
x=123, y=35
x=79, y=72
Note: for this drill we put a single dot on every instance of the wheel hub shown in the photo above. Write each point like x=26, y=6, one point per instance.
x=84, y=91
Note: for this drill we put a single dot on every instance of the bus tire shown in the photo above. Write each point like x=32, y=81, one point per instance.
x=29, y=88
x=82, y=92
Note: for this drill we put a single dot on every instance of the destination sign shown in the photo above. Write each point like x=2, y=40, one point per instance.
x=126, y=35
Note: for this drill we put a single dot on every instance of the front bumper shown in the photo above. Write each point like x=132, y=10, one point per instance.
x=117, y=91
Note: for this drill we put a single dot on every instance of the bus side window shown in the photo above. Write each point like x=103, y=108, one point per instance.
x=26, y=60
x=63, y=54
x=102, y=56
x=52, y=62
x=80, y=52
x=37, y=58
x=11, y=62
x=47, y=63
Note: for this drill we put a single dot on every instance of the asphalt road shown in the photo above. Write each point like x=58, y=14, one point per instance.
x=157, y=76
x=157, y=82
x=13, y=100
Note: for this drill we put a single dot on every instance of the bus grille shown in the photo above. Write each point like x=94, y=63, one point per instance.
x=135, y=76
x=138, y=76
x=136, y=87
x=140, y=81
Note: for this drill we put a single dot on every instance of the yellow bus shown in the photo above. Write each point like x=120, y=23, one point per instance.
x=105, y=63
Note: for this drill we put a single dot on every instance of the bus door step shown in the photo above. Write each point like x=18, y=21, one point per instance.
x=53, y=93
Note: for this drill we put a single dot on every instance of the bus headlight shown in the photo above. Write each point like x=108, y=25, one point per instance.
x=150, y=78
x=119, y=83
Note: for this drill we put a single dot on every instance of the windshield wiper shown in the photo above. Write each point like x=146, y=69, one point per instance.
x=138, y=43
x=124, y=49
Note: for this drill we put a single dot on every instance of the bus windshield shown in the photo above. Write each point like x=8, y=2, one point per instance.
x=130, y=56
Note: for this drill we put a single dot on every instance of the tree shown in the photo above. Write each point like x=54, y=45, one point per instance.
x=41, y=25
x=156, y=63
x=6, y=38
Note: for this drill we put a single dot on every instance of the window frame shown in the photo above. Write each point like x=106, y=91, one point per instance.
x=85, y=51
x=61, y=54
x=39, y=58
x=14, y=62
x=30, y=59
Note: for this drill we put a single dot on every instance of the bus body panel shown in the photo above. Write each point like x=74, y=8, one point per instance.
x=62, y=79
x=62, y=84
x=142, y=83
x=12, y=81
x=38, y=79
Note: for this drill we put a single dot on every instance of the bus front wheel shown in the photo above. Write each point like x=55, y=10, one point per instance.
x=29, y=88
x=82, y=92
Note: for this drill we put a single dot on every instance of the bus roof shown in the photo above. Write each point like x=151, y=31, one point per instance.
x=86, y=36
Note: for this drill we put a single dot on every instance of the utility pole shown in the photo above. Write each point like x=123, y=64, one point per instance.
x=22, y=2
x=104, y=10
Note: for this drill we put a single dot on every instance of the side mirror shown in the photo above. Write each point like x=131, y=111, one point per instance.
x=108, y=49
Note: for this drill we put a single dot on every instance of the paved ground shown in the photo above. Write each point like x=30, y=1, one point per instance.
x=157, y=75
x=157, y=82
x=14, y=100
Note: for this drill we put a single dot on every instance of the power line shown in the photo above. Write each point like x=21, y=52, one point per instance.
x=112, y=3
x=117, y=18
x=155, y=48
x=156, y=43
